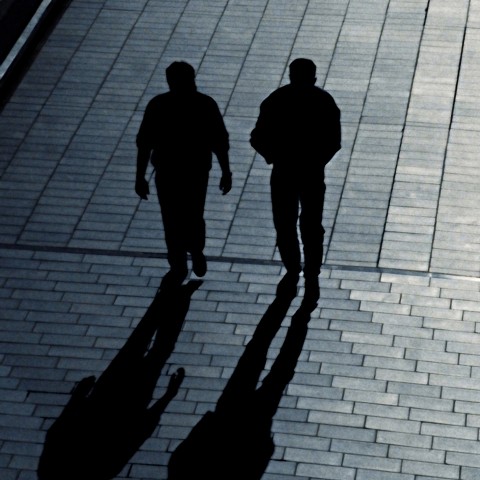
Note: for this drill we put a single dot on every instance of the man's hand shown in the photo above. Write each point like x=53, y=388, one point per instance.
x=142, y=189
x=175, y=381
x=226, y=183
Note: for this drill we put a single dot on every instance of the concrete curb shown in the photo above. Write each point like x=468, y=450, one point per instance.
x=34, y=33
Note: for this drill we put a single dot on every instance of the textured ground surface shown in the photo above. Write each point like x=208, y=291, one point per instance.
x=387, y=386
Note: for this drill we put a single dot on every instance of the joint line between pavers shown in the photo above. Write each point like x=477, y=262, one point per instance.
x=226, y=259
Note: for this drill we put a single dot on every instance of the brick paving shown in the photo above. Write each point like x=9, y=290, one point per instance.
x=387, y=385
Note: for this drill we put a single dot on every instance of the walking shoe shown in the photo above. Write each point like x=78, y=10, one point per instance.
x=199, y=264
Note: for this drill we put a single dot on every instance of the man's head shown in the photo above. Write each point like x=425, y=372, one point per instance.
x=303, y=72
x=181, y=77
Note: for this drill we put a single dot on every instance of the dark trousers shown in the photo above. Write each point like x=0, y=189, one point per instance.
x=182, y=203
x=293, y=192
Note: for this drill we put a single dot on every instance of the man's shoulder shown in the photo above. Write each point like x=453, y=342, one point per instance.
x=288, y=91
x=279, y=93
x=321, y=92
x=166, y=99
x=287, y=95
x=205, y=99
x=324, y=99
x=275, y=99
x=158, y=100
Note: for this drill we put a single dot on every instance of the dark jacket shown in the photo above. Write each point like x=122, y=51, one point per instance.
x=298, y=124
x=183, y=130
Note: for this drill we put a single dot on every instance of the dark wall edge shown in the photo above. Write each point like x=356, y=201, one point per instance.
x=22, y=61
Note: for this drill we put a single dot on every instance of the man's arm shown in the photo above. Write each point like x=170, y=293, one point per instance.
x=221, y=147
x=143, y=141
x=141, y=185
x=261, y=134
x=226, y=180
x=334, y=134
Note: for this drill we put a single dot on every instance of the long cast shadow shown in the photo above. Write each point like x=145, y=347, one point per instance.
x=235, y=440
x=107, y=420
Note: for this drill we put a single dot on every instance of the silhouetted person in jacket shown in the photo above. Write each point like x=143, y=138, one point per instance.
x=179, y=132
x=298, y=131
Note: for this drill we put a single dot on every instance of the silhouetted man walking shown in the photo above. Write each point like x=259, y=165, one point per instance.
x=298, y=131
x=179, y=132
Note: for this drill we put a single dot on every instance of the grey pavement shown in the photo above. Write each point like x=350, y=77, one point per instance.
x=387, y=386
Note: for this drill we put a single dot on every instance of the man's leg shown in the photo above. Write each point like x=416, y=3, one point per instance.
x=285, y=216
x=311, y=200
x=173, y=216
x=196, y=229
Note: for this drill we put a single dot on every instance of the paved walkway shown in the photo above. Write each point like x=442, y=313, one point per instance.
x=387, y=382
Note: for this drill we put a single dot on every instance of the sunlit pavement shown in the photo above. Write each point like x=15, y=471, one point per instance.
x=387, y=386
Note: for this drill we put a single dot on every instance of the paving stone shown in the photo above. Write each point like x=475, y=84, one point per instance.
x=424, y=468
x=375, y=475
